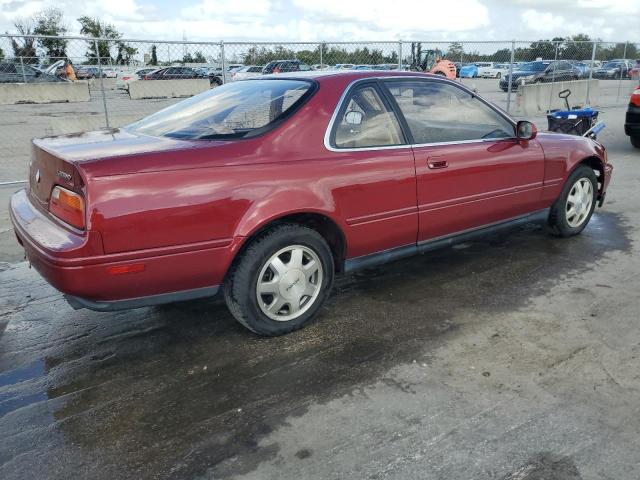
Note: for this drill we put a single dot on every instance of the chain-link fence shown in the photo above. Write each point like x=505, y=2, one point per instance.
x=114, y=78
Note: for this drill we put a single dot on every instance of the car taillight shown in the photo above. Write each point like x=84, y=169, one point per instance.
x=146, y=77
x=126, y=78
x=68, y=206
x=635, y=97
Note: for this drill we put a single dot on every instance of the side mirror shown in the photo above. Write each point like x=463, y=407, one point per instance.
x=353, y=117
x=526, y=130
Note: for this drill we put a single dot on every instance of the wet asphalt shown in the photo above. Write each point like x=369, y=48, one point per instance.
x=513, y=357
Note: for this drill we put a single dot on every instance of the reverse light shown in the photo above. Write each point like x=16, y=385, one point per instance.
x=68, y=206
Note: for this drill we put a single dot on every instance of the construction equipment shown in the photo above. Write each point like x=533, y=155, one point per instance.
x=431, y=61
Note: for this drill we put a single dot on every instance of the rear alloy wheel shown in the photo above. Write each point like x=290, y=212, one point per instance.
x=281, y=280
x=498, y=75
x=571, y=213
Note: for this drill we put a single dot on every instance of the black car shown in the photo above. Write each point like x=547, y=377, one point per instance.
x=173, y=73
x=541, y=71
x=17, y=73
x=632, y=120
x=613, y=70
x=282, y=66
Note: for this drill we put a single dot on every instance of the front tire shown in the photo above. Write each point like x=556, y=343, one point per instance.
x=281, y=280
x=571, y=213
x=635, y=141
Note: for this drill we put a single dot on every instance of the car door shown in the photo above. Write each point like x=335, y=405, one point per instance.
x=369, y=153
x=471, y=170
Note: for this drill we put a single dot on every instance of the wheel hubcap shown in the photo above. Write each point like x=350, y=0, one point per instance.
x=289, y=283
x=579, y=202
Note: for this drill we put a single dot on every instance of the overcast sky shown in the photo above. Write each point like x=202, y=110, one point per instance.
x=309, y=20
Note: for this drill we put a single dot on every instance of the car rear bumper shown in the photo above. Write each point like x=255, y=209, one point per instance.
x=632, y=122
x=88, y=280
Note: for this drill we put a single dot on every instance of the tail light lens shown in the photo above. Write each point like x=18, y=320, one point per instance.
x=68, y=206
x=126, y=78
x=635, y=97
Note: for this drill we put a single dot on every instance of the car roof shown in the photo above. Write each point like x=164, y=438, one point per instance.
x=348, y=75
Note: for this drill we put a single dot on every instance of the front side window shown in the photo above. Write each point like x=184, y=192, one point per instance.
x=437, y=112
x=233, y=110
x=365, y=121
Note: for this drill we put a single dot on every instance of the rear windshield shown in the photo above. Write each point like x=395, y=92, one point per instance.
x=233, y=110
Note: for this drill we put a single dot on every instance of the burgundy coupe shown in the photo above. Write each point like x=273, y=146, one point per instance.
x=266, y=187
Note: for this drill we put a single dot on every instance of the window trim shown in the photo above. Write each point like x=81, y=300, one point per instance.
x=328, y=137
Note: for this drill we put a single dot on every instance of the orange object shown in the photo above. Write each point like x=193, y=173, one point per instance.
x=68, y=206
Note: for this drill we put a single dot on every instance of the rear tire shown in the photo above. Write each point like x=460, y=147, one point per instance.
x=635, y=141
x=215, y=82
x=572, y=211
x=281, y=280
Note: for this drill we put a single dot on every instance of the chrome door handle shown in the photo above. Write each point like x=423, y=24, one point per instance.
x=435, y=164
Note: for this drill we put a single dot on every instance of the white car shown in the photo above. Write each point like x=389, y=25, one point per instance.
x=110, y=72
x=247, y=71
x=483, y=67
x=125, y=78
x=497, y=70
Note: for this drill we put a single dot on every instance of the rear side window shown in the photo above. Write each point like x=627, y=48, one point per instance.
x=233, y=110
x=437, y=112
x=376, y=125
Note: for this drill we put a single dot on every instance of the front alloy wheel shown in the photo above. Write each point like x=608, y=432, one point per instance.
x=572, y=210
x=579, y=202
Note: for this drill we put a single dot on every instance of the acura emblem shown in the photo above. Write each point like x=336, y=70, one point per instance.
x=37, y=176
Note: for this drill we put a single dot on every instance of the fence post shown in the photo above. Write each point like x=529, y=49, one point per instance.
x=104, y=97
x=624, y=57
x=587, y=101
x=224, y=70
x=24, y=77
x=321, y=45
x=513, y=53
x=553, y=76
x=399, y=54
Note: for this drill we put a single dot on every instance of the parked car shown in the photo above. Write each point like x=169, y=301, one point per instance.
x=363, y=67
x=468, y=70
x=634, y=73
x=319, y=66
x=613, y=70
x=216, y=74
x=173, y=73
x=495, y=71
x=632, y=120
x=245, y=72
x=270, y=186
x=483, y=67
x=284, y=66
x=344, y=66
x=110, y=72
x=85, y=73
x=540, y=72
x=124, y=80
x=16, y=73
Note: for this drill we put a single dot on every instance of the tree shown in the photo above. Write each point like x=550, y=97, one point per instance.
x=50, y=22
x=93, y=27
x=187, y=58
x=154, y=56
x=455, y=52
x=198, y=57
x=125, y=53
x=24, y=46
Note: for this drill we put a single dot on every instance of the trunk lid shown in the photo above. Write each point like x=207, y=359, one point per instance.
x=47, y=170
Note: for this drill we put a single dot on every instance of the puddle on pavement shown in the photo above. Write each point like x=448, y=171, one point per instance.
x=184, y=389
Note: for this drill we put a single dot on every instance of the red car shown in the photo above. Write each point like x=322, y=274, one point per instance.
x=265, y=188
x=632, y=119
